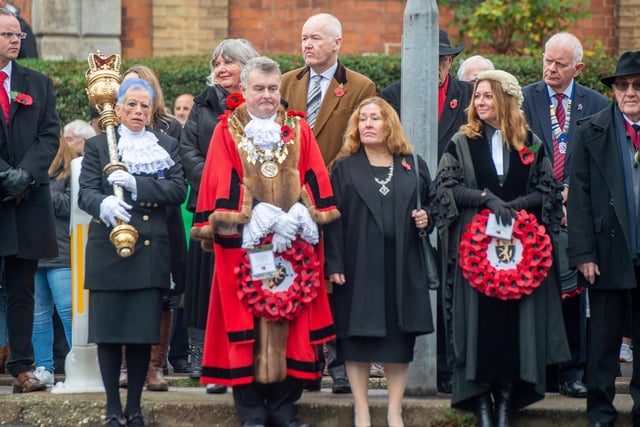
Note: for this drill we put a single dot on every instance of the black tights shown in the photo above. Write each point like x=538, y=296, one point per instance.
x=109, y=359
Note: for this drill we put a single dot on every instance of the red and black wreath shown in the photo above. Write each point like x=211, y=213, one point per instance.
x=298, y=281
x=505, y=269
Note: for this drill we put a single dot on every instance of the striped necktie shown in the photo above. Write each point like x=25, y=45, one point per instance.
x=313, y=100
x=558, y=155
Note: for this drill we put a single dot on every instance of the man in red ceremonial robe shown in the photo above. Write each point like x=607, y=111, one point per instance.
x=264, y=182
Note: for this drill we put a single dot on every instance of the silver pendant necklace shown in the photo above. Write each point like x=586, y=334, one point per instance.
x=384, y=190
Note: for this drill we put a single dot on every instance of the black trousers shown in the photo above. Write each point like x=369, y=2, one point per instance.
x=335, y=364
x=604, y=334
x=19, y=275
x=271, y=404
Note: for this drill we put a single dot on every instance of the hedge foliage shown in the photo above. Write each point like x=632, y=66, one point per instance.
x=182, y=74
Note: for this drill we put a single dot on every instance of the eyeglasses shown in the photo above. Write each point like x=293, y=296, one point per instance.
x=10, y=35
x=622, y=86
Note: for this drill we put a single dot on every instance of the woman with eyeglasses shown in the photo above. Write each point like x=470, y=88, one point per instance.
x=126, y=294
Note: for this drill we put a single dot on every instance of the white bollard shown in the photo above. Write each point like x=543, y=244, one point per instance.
x=82, y=373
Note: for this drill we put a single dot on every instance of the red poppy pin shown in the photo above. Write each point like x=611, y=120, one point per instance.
x=234, y=100
x=339, y=90
x=21, y=98
x=528, y=153
x=453, y=104
x=286, y=133
x=406, y=165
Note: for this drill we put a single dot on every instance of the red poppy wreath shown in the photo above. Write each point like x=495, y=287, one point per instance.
x=505, y=269
x=285, y=296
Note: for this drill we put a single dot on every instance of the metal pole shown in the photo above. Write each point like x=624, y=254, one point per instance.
x=420, y=121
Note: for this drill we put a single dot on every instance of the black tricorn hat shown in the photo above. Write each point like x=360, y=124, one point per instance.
x=445, y=46
x=628, y=64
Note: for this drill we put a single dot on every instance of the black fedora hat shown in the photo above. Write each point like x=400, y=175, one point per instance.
x=628, y=64
x=445, y=45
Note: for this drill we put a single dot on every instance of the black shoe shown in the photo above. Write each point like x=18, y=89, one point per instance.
x=181, y=366
x=313, y=385
x=135, y=420
x=484, y=411
x=114, y=421
x=254, y=423
x=573, y=389
x=216, y=389
x=341, y=386
x=294, y=423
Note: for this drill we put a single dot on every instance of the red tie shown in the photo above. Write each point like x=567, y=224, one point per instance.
x=559, y=157
x=4, y=98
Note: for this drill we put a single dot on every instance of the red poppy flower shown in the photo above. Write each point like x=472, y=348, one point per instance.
x=23, y=98
x=453, y=104
x=286, y=133
x=234, y=100
x=511, y=283
x=283, y=305
x=406, y=165
x=339, y=90
x=526, y=156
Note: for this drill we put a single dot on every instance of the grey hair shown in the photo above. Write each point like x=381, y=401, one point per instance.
x=80, y=129
x=569, y=39
x=462, y=69
x=235, y=50
x=331, y=23
x=6, y=11
x=263, y=64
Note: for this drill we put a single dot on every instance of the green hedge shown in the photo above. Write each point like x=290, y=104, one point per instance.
x=188, y=73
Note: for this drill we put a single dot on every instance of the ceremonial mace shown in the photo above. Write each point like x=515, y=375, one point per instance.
x=103, y=82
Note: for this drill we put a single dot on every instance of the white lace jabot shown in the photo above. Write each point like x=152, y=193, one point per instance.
x=141, y=153
x=264, y=133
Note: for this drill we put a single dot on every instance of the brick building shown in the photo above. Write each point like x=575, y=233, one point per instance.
x=184, y=27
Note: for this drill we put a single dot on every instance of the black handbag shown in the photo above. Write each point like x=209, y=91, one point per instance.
x=428, y=257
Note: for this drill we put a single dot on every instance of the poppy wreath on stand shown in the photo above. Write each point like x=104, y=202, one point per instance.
x=505, y=269
x=282, y=297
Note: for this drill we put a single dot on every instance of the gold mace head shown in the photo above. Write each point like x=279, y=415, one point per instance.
x=103, y=82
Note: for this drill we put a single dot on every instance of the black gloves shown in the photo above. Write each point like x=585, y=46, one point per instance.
x=503, y=212
x=530, y=200
x=15, y=184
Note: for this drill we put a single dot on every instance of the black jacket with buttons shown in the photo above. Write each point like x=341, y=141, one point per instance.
x=149, y=266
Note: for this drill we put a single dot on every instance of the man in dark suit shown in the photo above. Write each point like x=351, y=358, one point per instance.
x=341, y=90
x=29, y=137
x=453, y=95
x=453, y=99
x=561, y=64
x=604, y=234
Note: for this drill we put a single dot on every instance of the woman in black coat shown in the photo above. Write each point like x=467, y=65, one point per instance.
x=227, y=61
x=126, y=294
x=381, y=301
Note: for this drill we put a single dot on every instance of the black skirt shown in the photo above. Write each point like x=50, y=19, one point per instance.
x=125, y=317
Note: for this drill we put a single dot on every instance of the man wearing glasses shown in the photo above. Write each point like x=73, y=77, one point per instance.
x=604, y=234
x=29, y=138
x=28, y=47
x=552, y=107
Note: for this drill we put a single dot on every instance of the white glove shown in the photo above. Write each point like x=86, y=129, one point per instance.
x=263, y=216
x=280, y=243
x=112, y=208
x=286, y=226
x=307, y=229
x=125, y=180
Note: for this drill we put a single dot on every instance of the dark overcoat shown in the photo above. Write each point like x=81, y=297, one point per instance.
x=149, y=266
x=30, y=141
x=599, y=228
x=354, y=245
x=541, y=335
